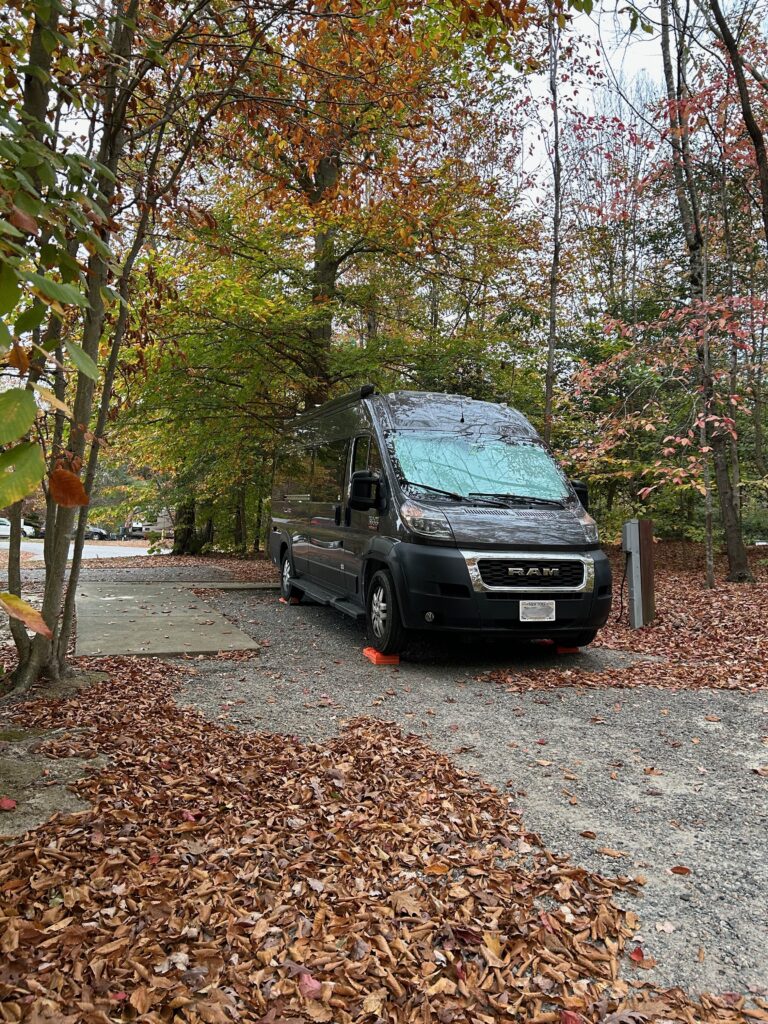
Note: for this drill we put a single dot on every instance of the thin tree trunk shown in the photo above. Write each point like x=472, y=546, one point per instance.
x=259, y=516
x=750, y=122
x=44, y=653
x=324, y=275
x=239, y=520
x=325, y=271
x=687, y=195
x=733, y=442
x=68, y=612
x=557, y=187
x=18, y=630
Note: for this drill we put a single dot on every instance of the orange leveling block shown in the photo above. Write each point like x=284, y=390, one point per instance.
x=566, y=650
x=380, y=659
x=293, y=600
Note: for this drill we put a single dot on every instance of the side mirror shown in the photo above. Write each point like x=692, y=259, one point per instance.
x=582, y=493
x=363, y=491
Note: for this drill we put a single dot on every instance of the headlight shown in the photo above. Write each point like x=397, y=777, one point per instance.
x=589, y=525
x=428, y=522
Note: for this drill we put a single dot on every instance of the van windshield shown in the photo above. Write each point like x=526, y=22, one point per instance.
x=477, y=465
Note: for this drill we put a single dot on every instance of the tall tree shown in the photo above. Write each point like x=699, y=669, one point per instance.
x=689, y=208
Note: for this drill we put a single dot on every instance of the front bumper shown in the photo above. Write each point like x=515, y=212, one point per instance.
x=443, y=589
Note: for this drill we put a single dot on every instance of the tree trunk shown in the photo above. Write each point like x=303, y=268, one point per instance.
x=557, y=189
x=184, y=529
x=758, y=343
x=259, y=516
x=68, y=613
x=43, y=654
x=738, y=563
x=240, y=527
x=325, y=271
x=687, y=195
x=18, y=630
x=750, y=122
x=324, y=276
x=757, y=413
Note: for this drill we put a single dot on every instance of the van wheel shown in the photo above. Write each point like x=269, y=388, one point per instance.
x=287, y=589
x=385, y=629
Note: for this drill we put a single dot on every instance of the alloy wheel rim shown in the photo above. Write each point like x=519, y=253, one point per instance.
x=286, y=574
x=379, y=611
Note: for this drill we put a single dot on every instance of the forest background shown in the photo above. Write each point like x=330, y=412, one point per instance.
x=216, y=214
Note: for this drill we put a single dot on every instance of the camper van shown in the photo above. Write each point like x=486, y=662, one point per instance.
x=429, y=512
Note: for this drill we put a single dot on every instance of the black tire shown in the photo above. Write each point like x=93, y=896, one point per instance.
x=287, y=589
x=385, y=628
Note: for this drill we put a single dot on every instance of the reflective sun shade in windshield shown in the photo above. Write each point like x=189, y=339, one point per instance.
x=488, y=465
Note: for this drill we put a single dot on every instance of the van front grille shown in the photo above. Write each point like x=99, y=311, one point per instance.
x=528, y=515
x=526, y=573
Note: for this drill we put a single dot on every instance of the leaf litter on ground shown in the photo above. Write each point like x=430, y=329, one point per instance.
x=223, y=876
x=700, y=639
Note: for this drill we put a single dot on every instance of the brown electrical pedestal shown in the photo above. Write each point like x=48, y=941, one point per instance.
x=637, y=544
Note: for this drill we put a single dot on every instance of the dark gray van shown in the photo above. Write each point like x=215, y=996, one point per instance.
x=434, y=512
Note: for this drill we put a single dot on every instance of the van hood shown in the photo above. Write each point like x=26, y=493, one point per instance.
x=516, y=528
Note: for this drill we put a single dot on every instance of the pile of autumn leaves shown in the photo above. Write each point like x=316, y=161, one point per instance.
x=700, y=639
x=223, y=877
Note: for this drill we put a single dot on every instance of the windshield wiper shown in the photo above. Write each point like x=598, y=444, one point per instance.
x=436, y=490
x=486, y=498
x=520, y=499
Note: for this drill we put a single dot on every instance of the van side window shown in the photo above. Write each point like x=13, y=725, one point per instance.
x=294, y=472
x=360, y=458
x=330, y=466
x=366, y=455
x=374, y=459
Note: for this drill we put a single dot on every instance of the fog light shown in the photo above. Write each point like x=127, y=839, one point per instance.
x=429, y=616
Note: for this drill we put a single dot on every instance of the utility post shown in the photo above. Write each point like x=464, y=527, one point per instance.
x=637, y=544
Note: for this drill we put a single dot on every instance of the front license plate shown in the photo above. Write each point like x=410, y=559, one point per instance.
x=537, y=611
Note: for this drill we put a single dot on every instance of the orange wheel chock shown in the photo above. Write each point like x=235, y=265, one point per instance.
x=292, y=600
x=380, y=659
x=566, y=650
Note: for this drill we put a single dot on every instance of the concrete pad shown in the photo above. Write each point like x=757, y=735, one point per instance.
x=219, y=585
x=151, y=618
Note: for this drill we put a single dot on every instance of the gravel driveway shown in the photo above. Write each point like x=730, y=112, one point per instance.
x=659, y=779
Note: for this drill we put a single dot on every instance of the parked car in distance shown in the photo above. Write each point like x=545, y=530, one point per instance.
x=432, y=512
x=96, y=533
x=5, y=529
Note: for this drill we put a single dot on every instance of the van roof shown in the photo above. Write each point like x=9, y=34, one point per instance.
x=428, y=410
x=431, y=410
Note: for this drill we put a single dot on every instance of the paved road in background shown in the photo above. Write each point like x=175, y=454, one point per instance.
x=116, y=550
